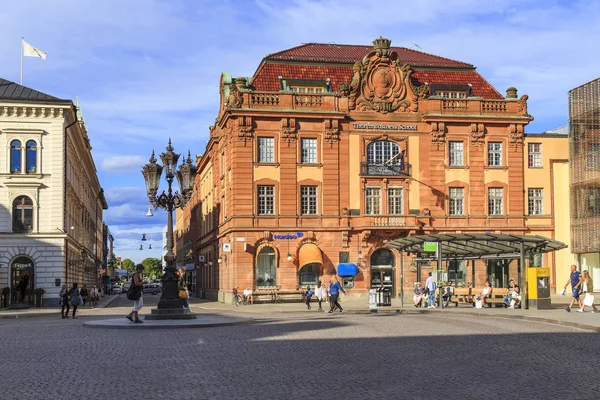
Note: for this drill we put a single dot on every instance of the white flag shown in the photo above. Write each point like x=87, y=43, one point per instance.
x=30, y=51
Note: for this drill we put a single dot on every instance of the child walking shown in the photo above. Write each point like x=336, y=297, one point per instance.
x=309, y=294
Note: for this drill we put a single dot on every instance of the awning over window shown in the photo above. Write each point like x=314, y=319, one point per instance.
x=347, y=269
x=309, y=254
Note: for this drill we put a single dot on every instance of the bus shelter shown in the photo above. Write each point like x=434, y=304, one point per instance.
x=462, y=246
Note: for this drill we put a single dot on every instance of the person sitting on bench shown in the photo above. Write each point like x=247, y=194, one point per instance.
x=514, y=294
x=447, y=294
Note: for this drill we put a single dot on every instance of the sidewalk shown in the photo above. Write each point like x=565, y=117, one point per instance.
x=40, y=312
x=557, y=315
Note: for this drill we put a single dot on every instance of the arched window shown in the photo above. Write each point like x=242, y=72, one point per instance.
x=265, y=267
x=383, y=152
x=309, y=274
x=31, y=157
x=22, y=214
x=15, y=156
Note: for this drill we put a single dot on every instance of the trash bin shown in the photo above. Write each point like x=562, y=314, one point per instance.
x=384, y=297
x=538, y=286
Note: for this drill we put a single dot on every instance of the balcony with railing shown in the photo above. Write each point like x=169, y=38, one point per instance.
x=399, y=169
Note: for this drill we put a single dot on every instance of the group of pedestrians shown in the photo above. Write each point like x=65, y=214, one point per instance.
x=582, y=288
x=330, y=294
x=71, y=299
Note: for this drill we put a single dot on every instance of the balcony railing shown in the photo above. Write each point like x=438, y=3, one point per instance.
x=402, y=169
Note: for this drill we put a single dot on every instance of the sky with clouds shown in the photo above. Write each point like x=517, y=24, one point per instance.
x=147, y=70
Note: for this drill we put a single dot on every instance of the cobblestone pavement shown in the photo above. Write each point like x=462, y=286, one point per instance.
x=300, y=356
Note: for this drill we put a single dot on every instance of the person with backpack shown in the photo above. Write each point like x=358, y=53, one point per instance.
x=64, y=301
x=309, y=294
x=84, y=294
x=135, y=293
x=75, y=298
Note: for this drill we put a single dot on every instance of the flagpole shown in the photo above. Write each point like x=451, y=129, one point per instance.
x=21, y=61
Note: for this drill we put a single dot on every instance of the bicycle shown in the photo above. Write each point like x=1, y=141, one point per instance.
x=237, y=300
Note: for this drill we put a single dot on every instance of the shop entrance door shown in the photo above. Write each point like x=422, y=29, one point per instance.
x=21, y=281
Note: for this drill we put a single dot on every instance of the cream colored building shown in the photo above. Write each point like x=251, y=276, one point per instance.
x=51, y=201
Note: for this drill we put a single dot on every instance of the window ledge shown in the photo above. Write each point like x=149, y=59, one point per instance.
x=457, y=167
x=496, y=167
x=317, y=165
x=258, y=164
x=535, y=167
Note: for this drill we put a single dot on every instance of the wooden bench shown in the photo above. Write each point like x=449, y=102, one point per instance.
x=262, y=296
x=462, y=295
x=278, y=296
x=496, y=297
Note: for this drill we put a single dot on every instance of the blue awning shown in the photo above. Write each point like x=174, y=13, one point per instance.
x=347, y=269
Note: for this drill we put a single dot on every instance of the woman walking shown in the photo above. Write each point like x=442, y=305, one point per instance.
x=334, y=292
x=94, y=295
x=84, y=294
x=320, y=294
x=135, y=293
x=183, y=291
x=587, y=286
x=64, y=301
x=75, y=298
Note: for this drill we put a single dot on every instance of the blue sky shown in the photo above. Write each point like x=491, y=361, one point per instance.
x=146, y=70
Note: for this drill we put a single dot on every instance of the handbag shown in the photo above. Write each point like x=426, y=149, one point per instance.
x=134, y=293
x=588, y=300
x=182, y=294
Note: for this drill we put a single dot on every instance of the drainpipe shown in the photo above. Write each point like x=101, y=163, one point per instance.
x=65, y=227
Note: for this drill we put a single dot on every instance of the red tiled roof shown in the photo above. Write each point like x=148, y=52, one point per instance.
x=344, y=53
x=267, y=77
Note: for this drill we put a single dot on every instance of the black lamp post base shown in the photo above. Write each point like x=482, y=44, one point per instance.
x=171, y=313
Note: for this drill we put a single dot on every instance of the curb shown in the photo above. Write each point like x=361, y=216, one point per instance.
x=169, y=324
x=51, y=313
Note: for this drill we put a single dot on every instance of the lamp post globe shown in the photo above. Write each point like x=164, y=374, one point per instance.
x=170, y=306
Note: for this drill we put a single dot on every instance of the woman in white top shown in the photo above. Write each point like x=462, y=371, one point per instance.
x=486, y=292
x=587, y=287
x=320, y=293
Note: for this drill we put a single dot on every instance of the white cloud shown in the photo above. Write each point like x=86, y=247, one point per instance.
x=123, y=164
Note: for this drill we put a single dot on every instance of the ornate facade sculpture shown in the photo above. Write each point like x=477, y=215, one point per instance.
x=516, y=133
x=438, y=132
x=381, y=83
x=288, y=129
x=477, y=134
x=522, y=106
x=331, y=131
x=236, y=98
x=245, y=128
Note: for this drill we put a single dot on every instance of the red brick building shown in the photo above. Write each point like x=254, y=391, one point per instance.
x=328, y=151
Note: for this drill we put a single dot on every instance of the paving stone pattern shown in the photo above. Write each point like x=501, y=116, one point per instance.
x=308, y=356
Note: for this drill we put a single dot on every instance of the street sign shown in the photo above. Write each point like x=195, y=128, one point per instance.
x=226, y=247
x=430, y=247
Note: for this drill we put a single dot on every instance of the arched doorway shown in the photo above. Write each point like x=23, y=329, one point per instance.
x=382, y=269
x=22, y=280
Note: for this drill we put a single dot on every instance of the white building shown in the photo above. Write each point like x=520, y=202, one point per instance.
x=51, y=201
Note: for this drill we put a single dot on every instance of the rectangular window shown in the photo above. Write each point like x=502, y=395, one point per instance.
x=535, y=155
x=266, y=200
x=457, y=271
x=308, y=200
x=494, y=154
x=495, y=201
x=395, y=203
x=344, y=257
x=592, y=157
x=266, y=150
x=373, y=201
x=222, y=164
x=457, y=201
x=536, y=201
x=309, y=151
x=456, y=154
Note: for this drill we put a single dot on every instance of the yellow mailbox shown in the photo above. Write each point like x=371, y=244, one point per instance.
x=538, y=285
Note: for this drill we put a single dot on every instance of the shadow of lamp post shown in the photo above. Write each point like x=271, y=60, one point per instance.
x=170, y=306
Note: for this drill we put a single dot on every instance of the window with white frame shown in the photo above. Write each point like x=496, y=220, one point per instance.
x=495, y=201
x=266, y=150
x=536, y=201
x=266, y=200
x=395, y=201
x=383, y=152
x=456, y=154
x=592, y=157
x=308, y=203
x=373, y=201
x=535, y=155
x=309, y=151
x=457, y=201
x=494, y=154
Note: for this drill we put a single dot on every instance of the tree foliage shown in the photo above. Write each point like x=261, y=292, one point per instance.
x=153, y=267
x=128, y=265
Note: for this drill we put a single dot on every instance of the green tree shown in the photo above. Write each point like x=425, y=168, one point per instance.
x=128, y=265
x=153, y=267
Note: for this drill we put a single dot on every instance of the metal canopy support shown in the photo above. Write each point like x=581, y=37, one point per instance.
x=524, y=289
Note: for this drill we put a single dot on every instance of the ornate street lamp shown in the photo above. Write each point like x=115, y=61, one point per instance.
x=170, y=305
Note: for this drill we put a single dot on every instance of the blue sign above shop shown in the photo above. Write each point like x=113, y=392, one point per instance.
x=288, y=236
x=347, y=269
